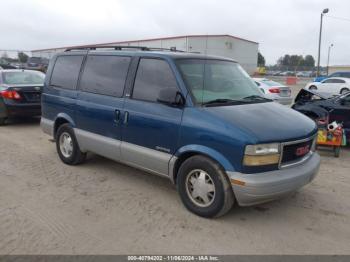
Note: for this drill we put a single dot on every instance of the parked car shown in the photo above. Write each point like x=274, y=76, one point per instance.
x=287, y=73
x=275, y=91
x=325, y=109
x=5, y=65
x=277, y=73
x=20, y=92
x=304, y=74
x=37, y=63
x=199, y=120
x=333, y=86
x=336, y=74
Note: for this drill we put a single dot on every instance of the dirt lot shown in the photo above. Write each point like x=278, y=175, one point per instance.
x=103, y=207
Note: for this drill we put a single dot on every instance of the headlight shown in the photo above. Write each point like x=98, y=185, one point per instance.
x=263, y=154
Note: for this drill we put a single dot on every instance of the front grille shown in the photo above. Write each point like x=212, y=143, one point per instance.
x=295, y=152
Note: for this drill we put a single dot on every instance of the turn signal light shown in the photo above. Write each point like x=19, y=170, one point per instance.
x=10, y=94
x=261, y=160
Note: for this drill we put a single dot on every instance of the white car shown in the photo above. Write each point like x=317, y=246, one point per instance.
x=275, y=91
x=332, y=86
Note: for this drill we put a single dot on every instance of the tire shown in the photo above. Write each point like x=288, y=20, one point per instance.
x=344, y=90
x=313, y=88
x=218, y=198
x=67, y=146
x=2, y=121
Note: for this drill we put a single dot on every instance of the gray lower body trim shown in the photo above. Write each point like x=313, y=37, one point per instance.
x=133, y=155
x=145, y=158
x=47, y=126
x=101, y=145
x=172, y=163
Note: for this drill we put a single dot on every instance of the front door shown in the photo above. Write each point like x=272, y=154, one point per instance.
x=150, y=129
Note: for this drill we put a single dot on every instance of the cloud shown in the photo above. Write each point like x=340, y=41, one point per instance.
x=289, y=26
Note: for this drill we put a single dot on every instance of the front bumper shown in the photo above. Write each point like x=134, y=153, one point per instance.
x=264, y=187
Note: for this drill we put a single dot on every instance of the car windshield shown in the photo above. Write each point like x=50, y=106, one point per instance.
x=3, y=61
x=218, y=81
x=23, y=78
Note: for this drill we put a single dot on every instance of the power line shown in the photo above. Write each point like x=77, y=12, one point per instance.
x=339, y=18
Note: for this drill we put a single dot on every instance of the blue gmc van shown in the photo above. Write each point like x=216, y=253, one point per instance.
x=199, y=120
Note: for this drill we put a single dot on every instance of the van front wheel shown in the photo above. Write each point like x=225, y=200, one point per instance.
x=204, y=187
x=67, y=146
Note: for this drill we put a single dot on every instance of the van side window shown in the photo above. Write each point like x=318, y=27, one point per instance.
x=105, y=75
x=66, y=71
x=152, y=76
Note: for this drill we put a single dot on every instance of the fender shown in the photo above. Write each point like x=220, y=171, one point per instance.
x=207, y=151
x=65, y=117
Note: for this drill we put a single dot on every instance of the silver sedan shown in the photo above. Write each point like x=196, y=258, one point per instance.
x=275, y=91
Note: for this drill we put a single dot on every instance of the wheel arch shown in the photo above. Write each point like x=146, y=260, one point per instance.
x=61, y=119
x=344, y=88
x=191, y=150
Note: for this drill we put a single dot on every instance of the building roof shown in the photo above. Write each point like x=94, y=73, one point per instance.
x=340, y=66
x=146, y=40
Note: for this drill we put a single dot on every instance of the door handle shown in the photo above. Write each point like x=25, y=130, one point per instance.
x=126, y=117
x=117, y=115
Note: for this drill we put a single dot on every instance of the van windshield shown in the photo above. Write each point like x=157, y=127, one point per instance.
x=218, y=82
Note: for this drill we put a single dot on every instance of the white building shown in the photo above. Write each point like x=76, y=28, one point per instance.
x=338, y=68
x=242, y=50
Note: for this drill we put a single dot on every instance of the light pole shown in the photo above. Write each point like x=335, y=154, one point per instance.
x=329, y=53
x=325, y=11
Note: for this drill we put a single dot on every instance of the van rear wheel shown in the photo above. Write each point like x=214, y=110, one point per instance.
x=204, y=187
x=67, y=146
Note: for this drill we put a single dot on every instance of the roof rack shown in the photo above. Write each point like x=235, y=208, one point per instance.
x=119, y=48
x=143, y=48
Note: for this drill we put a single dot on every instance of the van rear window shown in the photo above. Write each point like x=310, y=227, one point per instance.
x=66, y=71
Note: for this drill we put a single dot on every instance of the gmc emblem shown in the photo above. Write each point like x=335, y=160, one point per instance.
x=302, y=150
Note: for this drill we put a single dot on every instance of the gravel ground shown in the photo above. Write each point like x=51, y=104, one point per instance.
x=102, y=207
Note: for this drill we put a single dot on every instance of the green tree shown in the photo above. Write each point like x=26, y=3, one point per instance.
x=261, y=59
x=309, y=61
x=286, y=60
x=22, y=57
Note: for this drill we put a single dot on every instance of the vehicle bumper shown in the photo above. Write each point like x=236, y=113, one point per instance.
x=47, y=126
x=284, y=100
x=267, y=186
x=23, y=110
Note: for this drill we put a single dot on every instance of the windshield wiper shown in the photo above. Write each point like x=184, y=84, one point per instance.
x=224, y=101
x=256, y=98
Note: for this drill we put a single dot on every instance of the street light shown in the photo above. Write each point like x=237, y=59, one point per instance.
x=329, y=53
x=325, y=11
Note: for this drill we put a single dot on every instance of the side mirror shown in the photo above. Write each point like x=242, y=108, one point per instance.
x=171, y=96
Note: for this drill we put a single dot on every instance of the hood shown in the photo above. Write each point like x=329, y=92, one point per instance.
x=267, y=122
x=305, y=95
